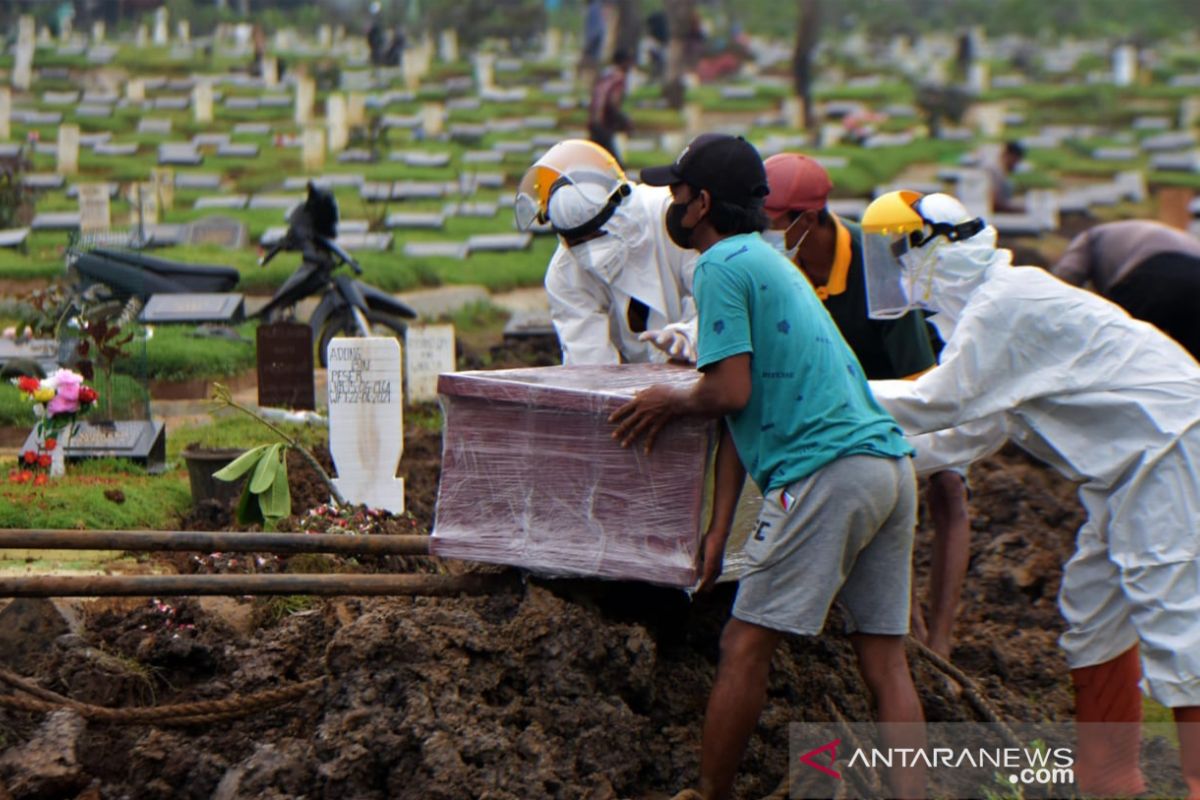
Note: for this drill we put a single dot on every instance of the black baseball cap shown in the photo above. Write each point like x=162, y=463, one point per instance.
x=727, y=166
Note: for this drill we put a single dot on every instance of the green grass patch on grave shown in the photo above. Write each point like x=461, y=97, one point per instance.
x=128, y=393
x=179, y=353
x=233, y=430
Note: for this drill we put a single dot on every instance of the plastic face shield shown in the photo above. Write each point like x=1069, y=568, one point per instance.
x=571, y=162
x=888, y=292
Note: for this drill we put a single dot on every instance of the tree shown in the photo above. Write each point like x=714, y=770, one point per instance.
x=808, y=33
x=629, y=27
x=681, y=16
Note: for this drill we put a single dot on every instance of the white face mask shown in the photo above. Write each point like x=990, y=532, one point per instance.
x=778, y=240
x=604, y=256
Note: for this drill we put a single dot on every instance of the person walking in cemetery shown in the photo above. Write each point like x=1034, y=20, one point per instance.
x=595, y=31
x=1000, y=174
x=620, y=290
x=1147, y=268
x=376, y=35
x=1109, y=401
x=828, y=250
x=834, y=468
x=606, y=117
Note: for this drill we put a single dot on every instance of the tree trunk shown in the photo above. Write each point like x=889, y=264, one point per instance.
x=680, y=14
x=629, y=27
x=808, y=33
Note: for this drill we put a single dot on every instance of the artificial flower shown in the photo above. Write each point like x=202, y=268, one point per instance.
x=50, y=444
x=44, y=460
x=40, y=480
x=44, y=394
x=29, y=456
x=66, y=398
x=27, y=384
x=87, y=395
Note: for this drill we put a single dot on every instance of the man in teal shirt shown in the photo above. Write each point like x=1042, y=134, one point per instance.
x=839, y=490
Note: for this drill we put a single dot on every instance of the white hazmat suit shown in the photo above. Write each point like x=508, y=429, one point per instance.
x=590, y=286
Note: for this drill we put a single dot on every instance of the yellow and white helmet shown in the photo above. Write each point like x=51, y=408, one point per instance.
x=902, y=232
x=576, y=186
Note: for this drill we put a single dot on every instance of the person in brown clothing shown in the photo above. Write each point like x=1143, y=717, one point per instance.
x=1149, y=269
x=605, y=115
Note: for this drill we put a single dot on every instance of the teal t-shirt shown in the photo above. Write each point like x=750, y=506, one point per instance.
x=809, y=401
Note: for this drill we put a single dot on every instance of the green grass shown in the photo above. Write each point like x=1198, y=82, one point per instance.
x=174, y=353
x=128, y=396
x=233, y=429
x=77, y=500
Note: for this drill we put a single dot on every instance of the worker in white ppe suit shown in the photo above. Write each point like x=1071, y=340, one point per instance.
x=620, y=290
x=1109, y=401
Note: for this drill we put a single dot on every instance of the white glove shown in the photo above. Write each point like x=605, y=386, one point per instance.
x=673, y=342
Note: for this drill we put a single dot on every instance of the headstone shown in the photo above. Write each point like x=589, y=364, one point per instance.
x=202, y=103
x=234, y=201
x=68, y=149
x=454, y=250
x=270, y=71
x=94, y=211
x=162, y=35
x=552, y=45
x=135, y=90
x=448, y=45
x=975, y=192
x=500, y=242
x=313, y=150
x=335, y=120
x=22, y=74
x=793, y=113
x=306, y=90
x=145, y=200
x=141, y=441
x=98, y=31
x=427, y=220
x=225, y=232
x=428, y=352
x=433, y=118
x=366, y=431
x=356, y=109
x=198, y=307
x=179, y=154
x=1124, y=65
x=284, y=355
x=325, y=37
x=1189, y=112
x=5, y=113
x=485, y=64
x=183, y=29
x=154, y=126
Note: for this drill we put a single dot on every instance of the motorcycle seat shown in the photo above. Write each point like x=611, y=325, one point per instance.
x=220, y=274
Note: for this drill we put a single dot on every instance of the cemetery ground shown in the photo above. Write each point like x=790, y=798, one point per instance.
x=561, y=688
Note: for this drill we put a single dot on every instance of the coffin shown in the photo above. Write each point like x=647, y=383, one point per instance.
x=532, y=477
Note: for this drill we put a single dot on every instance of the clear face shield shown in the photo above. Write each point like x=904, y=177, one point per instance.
x=588, y=175
x=891, y=275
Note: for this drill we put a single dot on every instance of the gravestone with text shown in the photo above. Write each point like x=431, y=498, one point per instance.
x=285, y=365
x=94, y=209
x=366, y=432
x=68, y=149
x=195, y=307
x=428, y=352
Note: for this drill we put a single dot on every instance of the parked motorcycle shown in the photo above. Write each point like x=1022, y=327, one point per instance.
x=348, y=307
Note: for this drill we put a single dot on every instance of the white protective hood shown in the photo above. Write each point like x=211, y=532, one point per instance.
x=951, y=271
x=589, y=306
x=1107, y=400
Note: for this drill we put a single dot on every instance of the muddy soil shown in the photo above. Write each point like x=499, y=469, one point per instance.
x=567, y=689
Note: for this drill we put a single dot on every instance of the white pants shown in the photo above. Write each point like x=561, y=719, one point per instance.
x=1109, y=609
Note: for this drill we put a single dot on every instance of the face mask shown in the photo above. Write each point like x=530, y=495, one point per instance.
x=603, y=256
x=680, y=235
x=778, y=240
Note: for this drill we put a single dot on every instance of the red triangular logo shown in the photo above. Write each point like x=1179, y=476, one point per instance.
x=831, y=747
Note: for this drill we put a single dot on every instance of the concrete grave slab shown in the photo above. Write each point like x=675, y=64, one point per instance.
x=515, y=147
x=172, y=103
x=55, y=221
x=375, y=242
x=420, y=158
x=500, y=242
x=232, y=201
x=423, y=220
x=38, y=117
x=239, y=103
x=1165, y=142
x=1177, y=162
x=283, y=202
x=476, y=210
x=356, y=156
x=43, y=181
x=482, y=157
x=238, y=150
x=197, y=307
x=115, y=149
x=275, y=101
x=60, y=98
x=1115, y=153
x=14, y=237
x=252, y=129
x=93, y=139
x=417, y=190
x=456, y=250
x=210, y=139
x=464, y=104
x=156, y=126
x=197, y=180
x=110, y=187
x=184, y=155
x=375, y=192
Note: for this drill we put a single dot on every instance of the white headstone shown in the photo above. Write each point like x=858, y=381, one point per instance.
x=163, y=180
x=428, y=352
x=410, y=67
x=1124, y=65
x=94, y=209
x=1189, y=112
x=448, y=45
x=99, y=31
x=366, y=422
x=162, y=36
x=183, y=29
x=693, y=119
x=22, y=75
x=313, y=150
x=135, y=90
x=142, y=37
x=336, y=122
x=975, y=192
x=270, y=71
x=325, y=38
x=485, y=65
x=793, y=113
x=68, y=149
x=978, y=78
x=145, y=199
x=306, y=92
x=5, y=113
x=202, y=102
x=433, y=118
x=552, y=48
x=356, y=109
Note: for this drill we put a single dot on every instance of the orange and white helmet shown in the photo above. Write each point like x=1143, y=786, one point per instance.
x=576, y=186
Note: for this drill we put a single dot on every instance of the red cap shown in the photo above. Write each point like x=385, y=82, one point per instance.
x=797, y=183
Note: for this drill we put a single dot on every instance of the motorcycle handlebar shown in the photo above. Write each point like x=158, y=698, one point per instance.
x=346, y=258
x=274, y=251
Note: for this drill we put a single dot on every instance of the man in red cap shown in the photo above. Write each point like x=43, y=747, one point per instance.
x=829, y=252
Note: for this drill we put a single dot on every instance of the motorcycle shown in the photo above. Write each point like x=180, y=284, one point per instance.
x=348, y=306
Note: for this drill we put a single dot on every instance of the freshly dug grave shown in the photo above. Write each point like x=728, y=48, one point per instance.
x=570, y=689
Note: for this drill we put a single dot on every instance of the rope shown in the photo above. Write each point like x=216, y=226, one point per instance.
x=177, y=714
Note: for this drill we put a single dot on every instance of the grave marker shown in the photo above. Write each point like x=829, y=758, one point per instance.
x=313, y=149
x=135, y=90
x=197, y=307
x=98, y=31
x=284, y=356
x=485, y=65
x=183, y=30
x=22, y=74
x=161, y=34
x=448, y=45
x=1124, y=65
x=366, y=433
x=270, y=71
x=68, y=149
x=335, y=120
x=94, y=210
x=306, y=90
x=225, y=232
x=5, y=113
x=202, y=103
x=356, y=109
x=141, y=441
x=428, y=352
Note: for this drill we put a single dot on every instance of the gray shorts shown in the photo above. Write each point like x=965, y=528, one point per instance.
x=846, y=533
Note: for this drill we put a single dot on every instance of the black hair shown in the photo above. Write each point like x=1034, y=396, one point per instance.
x=730, y=219
x=1015, y=148
x=621, y=57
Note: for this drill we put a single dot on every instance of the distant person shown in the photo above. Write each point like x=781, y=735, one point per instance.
x=1149, y=269
x=657, y=37
x=1003, y=195
x=620, y=290
x=595, y=30
x=606, y=117
x=394, y=54
x=829, y=251
x=376, y=37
